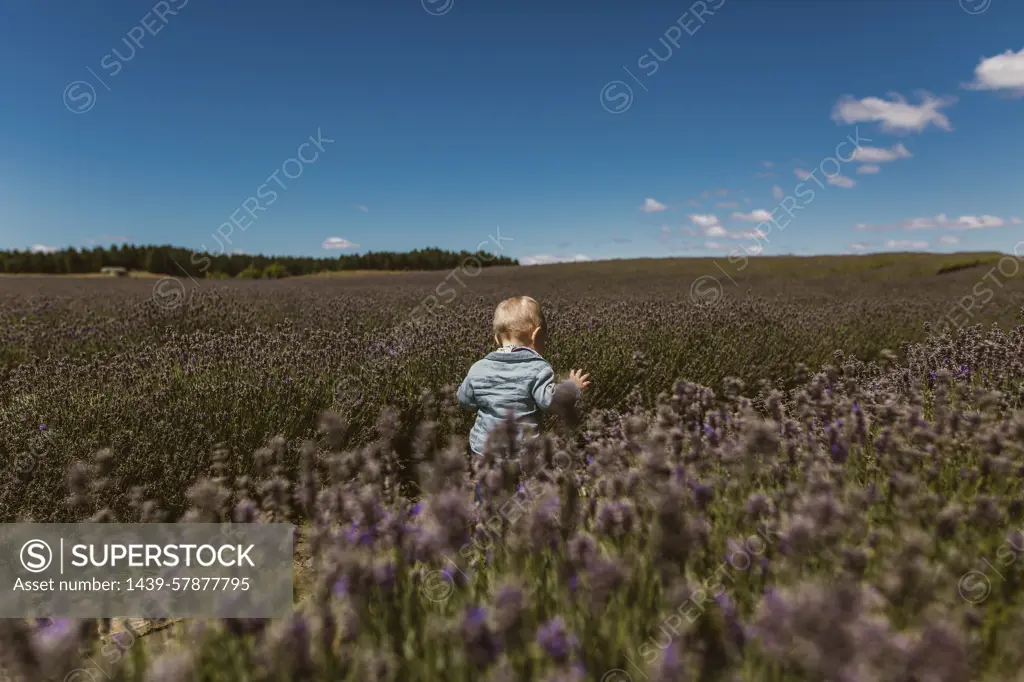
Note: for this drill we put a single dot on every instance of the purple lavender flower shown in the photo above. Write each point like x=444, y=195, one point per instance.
x=555, y=640
x=474, y=615
x=481, y=643
x=670, y=668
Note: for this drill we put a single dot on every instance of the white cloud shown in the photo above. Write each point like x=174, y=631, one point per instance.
x=748, y=234
x=858, y=247
x=925, y=223
x=949, y=239
x=652, y=206
x=777, y=193
x=547, y=259
x=715, y=231
x=42, y=248
x=758, y=216
x=767, y=164
x=970, y=222
x=895, y=115
x=338, y=243
x=765, y=176
x=869, y=169
x=880, y=154
x=706, y=220
x=801, y=173
x=1016, y=221
x=727, y=204
x=714, y=246
x=842, y=181
x=362, y=208
x=1002, y=72
x=905, y=244
x=940, y=222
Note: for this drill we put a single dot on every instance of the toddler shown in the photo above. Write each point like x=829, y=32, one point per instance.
x=515, y=377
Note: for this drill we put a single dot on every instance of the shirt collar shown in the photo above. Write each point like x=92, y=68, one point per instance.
x=513, y=348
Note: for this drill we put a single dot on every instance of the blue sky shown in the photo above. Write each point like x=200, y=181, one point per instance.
x=440, y=121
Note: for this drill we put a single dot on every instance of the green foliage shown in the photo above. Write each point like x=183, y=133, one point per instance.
x=172, y=260
x=251, y=272
x=965, y=263
x=275, y=271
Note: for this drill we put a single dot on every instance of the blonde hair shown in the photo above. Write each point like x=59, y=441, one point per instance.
x=516, y=318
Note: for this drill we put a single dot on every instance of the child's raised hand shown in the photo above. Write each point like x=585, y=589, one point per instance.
x=581, y=380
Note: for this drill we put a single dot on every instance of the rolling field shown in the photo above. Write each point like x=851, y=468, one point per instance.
x=784, y=471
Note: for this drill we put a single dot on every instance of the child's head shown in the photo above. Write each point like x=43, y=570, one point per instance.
x=519, y=321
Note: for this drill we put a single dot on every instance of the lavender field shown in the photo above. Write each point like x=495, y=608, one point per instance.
x=801, y=471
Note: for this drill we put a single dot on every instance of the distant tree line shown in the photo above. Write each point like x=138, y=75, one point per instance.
x=172, y=260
